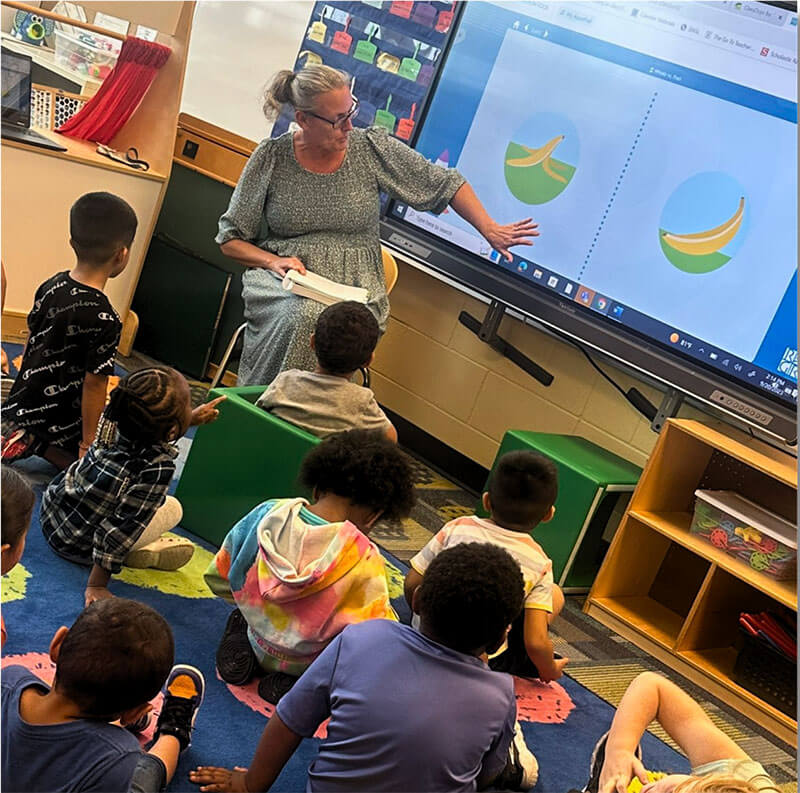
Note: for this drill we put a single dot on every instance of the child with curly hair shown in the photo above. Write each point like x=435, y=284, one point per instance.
x=409, y=710
x=110, y=508
x=300, y=572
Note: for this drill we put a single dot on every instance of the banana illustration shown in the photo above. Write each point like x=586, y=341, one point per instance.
x=705, y=242
x=535, y=156
x=540, y=156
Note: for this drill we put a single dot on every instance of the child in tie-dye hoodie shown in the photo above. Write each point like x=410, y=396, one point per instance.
x=300, y=572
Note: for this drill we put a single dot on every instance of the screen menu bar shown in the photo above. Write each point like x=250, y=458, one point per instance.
x=570, y=290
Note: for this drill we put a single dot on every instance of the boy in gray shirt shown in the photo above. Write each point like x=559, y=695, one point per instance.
x=325, y=401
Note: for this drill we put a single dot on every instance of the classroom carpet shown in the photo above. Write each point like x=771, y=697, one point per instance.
x=572, y=712
x=560, y=721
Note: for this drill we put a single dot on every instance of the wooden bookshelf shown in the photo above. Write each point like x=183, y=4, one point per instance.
x=675, y=595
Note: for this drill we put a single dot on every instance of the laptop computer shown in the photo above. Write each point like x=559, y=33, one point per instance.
x=15, y=107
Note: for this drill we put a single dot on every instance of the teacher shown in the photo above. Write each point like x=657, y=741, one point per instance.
x=310, y=199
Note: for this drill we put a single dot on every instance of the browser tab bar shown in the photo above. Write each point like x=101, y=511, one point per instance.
x=773, y=16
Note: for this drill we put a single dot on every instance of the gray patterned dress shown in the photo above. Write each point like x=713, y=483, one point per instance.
x=330, y=223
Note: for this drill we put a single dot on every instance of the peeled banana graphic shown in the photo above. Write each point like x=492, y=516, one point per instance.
x=535, y=156
x=705, y=242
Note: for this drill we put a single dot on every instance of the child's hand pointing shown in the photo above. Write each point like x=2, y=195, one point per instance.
x=205, y=414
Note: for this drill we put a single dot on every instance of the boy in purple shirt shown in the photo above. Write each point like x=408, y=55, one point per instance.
x=393, y=694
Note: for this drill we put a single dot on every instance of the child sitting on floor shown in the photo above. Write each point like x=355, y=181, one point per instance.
x=55, y=403
x=109, y=664
x=408, y=710
x=111, y=507
x=300, y=572
x=718, y=764
x=325, y=401
x=522, y=493
x=17, y=505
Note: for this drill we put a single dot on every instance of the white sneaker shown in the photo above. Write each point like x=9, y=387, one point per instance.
x=166, y=553
x=522, y=768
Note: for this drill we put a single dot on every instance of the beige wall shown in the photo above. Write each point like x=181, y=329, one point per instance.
x=436, y=374
x=37, y=192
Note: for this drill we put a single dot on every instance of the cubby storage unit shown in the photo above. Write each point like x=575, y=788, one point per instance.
x=677, y=596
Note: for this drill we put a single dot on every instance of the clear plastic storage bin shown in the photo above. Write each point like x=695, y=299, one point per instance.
x=87, y=54
x=762, y=539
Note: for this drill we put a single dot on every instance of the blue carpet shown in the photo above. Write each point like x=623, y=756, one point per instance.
x=560, y=722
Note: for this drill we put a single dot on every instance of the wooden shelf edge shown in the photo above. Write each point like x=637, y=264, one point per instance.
x=675, y=526
x=755, y=453
x=761, y=713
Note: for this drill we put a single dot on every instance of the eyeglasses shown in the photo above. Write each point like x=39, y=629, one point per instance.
x=339, y=122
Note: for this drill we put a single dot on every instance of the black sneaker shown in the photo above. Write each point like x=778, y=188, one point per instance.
x=236, y=661
x=140, y=725
x=597, y=762
x=183, y=693
x=274, y=685
x=522, y=768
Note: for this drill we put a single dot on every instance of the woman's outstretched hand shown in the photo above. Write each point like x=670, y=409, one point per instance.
x=501, y=238
x=282, y=265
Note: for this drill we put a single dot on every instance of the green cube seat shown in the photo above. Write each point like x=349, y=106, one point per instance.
x=594, y=487
x=243, y=458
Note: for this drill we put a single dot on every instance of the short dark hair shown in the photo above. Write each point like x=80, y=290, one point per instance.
x=116, y=656
x=522, y=488
x=364, y=466
x=146, y=406
x=99, y=225
x=470, y=594
x=16, y=506
x=345, y=337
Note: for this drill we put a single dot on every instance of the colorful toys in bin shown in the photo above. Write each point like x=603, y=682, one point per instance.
x=31, y=28
x=747, y=531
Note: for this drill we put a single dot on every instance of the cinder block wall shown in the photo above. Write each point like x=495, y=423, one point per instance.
x=436, y=374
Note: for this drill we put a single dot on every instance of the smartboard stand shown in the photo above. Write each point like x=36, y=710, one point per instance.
x=486, y=331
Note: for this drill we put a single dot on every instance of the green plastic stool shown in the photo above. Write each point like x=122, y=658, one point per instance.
x=243, y=458
x=594, y=487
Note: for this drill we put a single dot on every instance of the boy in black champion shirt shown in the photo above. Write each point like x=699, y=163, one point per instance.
x=56, y=401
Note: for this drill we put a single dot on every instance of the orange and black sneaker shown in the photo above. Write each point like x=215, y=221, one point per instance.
x=183, y=694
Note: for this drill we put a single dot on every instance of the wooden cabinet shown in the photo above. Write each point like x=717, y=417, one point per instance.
x=675, y=595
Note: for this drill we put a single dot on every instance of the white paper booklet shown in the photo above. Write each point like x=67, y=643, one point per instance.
x=323, y=290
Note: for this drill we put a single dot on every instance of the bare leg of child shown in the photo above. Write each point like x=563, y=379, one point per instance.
x=154, y=550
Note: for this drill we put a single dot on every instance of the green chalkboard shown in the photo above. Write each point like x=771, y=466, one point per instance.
x=179, y=301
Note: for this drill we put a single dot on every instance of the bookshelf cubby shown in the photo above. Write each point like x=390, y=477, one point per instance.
x=675, y=595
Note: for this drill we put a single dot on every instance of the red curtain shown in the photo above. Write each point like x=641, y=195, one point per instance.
x=120, y=94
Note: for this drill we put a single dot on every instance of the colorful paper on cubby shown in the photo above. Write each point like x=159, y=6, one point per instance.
x=406, y=125
x=318, y=30
x=425, y=75
x=409, y=67
x=388, y=62
x=401, y=8
x=365, y=49
x=342, y=40
x=383, y=118
x=424, y=14
x=445, y=19
x=312, y=59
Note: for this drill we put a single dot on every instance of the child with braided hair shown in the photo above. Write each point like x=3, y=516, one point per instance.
x=110, y=508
